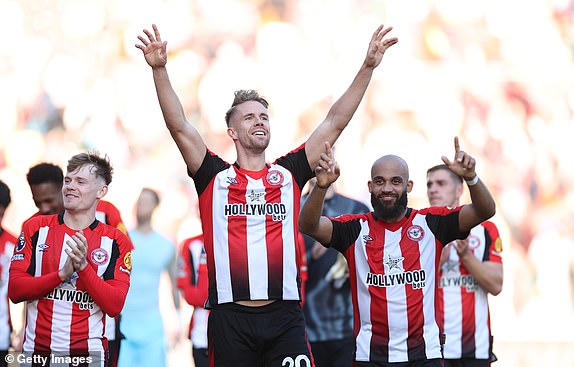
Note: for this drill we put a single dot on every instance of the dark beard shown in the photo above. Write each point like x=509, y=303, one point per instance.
x=385, y=213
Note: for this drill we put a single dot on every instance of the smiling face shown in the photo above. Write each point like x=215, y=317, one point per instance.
x=249, y=126
x=443, y=189
x=82, y=189
x=47, y=197
x=389, y=186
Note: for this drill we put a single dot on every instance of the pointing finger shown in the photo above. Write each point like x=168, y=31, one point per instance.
x=328, y=148
x=456, y=146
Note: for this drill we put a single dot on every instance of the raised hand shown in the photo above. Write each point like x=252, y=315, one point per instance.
x=327, y=170
x=378, y=45
x=154, y=50
x=463, y=164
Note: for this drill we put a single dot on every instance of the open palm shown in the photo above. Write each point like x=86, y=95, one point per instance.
x=154, y=50
x=378, y=45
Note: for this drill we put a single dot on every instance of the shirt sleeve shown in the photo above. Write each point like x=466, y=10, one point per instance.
x=346, y=229
x=493, y=248
x=23, y=286
x=110, y=294
x=193, y=286
x=443, y=222
x=211, y=165
x=296, y=162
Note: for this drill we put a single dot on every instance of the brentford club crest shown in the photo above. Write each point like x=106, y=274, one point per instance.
x=415, y=233
x=274, y=178
x=99, y=256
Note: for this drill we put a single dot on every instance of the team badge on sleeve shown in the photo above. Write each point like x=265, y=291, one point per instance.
x=128, y=260
x=498, y=245
x=21, y=243
x=99, y=256
x=122, y=227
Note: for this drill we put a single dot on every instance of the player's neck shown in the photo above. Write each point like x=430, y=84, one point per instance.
x=453, y=204
x=79, y=219
x=251, y=161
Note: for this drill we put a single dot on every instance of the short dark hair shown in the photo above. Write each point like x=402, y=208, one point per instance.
x=45, y=173
x=102, y=164
x=438, y=167
x=5, y=198
x=241, y=96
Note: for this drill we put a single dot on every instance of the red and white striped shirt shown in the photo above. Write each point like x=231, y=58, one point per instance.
x=192, y=281
x=249, y=221
x=7, y=243
x=393, y=269
x=462, y=304
x=107, y=213
x=68, y=316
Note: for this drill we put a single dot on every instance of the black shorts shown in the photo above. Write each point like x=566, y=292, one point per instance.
x=3, y=361
x=435, y=362
x=466, y=362
x=272, y=335
x=200, y=357
x=334, y=353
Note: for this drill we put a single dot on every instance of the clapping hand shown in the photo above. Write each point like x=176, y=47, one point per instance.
x=77, y=251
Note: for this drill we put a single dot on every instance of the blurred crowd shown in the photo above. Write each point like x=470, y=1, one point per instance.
x=500, y=75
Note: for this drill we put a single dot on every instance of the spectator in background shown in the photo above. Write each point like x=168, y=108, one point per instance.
x=71, y=269
x=145, y=342
x=249, y=213
x=7, y=243
x=46, y=181
x=470, y=269
x=193, y=284
x=328, y=307
x=393, y=255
